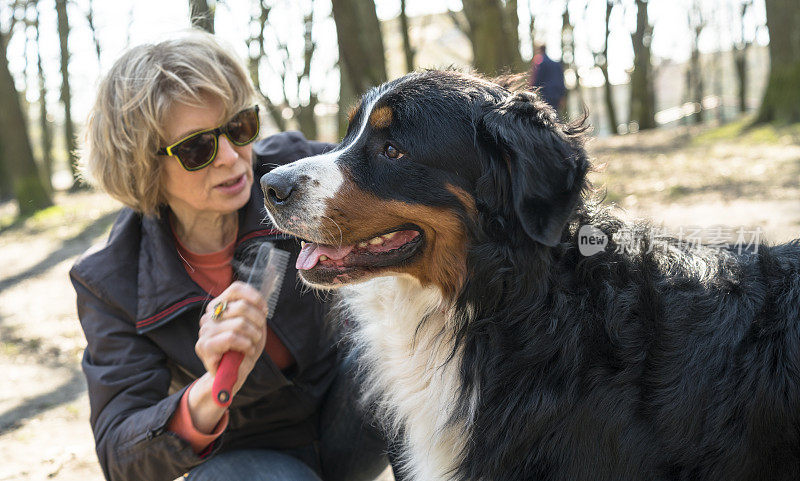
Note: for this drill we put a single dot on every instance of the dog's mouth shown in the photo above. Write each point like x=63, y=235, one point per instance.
x=329, y=265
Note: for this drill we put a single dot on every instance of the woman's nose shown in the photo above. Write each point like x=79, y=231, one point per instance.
x=225, y=151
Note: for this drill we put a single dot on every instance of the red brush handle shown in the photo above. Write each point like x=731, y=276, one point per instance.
x=227, y=373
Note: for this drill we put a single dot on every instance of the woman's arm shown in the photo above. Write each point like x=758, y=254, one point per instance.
x=128, y=381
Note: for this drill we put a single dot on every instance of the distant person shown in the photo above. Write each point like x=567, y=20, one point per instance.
x=548, y=76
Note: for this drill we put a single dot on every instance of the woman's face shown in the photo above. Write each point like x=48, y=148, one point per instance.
x=220, y=188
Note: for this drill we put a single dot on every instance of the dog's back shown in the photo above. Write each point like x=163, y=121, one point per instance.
x=651, y=360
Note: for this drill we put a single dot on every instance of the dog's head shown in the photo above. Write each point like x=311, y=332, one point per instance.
x=430, y=163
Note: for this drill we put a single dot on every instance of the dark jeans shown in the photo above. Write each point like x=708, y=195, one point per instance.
x=350, y=448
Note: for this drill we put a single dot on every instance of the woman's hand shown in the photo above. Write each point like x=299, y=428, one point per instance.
x=241, y=327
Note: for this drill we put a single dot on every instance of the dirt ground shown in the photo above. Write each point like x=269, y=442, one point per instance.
x=678, y=178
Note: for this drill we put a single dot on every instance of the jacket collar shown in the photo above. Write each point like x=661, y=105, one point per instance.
x=165, y=289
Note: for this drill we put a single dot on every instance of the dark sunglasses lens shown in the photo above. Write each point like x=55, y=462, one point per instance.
x=197, y=151
x=243, y=128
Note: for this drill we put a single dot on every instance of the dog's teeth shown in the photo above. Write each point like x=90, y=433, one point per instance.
x=323, y=257
x=302, y=244
x=375, y=241
x=362, y=244
x=389, y=235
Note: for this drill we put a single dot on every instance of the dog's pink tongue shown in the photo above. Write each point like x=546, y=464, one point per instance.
x=310, y=254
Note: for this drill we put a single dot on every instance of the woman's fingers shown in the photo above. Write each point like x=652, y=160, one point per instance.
x=234, y=321
x=239, y=335
x=239, y=291
x=246, y=310
x=221, y=336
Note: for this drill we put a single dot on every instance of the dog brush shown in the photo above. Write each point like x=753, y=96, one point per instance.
x=266, y=275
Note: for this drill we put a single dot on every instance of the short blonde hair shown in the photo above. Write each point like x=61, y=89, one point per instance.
x=125, y=127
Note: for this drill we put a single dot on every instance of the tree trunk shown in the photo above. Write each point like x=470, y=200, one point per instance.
x=611, y=110
x=568, y=61
x=201, y=15
x=642, y=94
x=95, y=39
x=347, y=98
x=15, y=144
x=306, y=119
x=66, y=94
x=511, y=19
x=254, y=65
x=305, y=113
x=360, y=43
x=361, y=58
x=407, y=50
x=493, y=35
x=46, y=135
x=782, y=97
x=740, y=58
x=695, y=85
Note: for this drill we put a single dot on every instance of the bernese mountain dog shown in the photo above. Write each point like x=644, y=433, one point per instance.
x=450, y=220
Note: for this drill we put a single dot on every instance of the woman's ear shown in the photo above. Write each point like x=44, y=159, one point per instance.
x=546, y=161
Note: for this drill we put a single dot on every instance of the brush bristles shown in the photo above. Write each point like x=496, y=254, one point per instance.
x=278, y=261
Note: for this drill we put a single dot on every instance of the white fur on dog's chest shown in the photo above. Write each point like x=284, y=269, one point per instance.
x=410, y=374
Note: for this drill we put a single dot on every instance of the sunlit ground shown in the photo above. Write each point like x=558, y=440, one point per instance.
x=679, y=178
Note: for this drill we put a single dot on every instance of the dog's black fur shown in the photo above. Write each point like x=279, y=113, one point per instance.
x=664, y=361
x=661, y=362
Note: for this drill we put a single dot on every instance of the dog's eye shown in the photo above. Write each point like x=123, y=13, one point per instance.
x=392, y=152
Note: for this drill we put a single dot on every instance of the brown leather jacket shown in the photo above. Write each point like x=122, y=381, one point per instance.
x=139, y=311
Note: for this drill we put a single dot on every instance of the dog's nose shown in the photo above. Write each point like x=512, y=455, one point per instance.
x=278, y=187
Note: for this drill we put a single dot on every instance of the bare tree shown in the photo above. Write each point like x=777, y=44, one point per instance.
x=741, y=48
x=532, y=26
x=642, y=92
x=408, y=51
x=90, y=22
x=305, y=110
x=257, y=53
x=601, y=60
x=782, y=97
x=360, y=43
x=66, y=93
x=201, y=14
x=694, y=75
x=46, y=135
x=568, y=57
x=15, y=145
x=491, y=26
x=269, y=50
x=361, y=57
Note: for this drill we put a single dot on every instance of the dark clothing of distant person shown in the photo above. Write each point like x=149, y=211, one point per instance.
x=548, y=77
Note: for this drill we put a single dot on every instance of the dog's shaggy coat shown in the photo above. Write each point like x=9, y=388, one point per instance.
x=493, y=347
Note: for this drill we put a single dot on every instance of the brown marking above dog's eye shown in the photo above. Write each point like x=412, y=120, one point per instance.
x=351, y=114
x=381, y=117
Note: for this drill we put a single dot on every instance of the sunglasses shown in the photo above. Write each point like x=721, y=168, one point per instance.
x=199, y=149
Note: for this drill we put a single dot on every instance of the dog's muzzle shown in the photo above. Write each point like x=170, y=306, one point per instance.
x=279, y=188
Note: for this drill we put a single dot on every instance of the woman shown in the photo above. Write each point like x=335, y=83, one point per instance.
x=171, y=137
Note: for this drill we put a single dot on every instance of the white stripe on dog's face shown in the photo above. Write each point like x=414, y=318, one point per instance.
x=321, y=179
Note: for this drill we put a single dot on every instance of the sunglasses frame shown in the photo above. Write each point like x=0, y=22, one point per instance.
x=216, y=131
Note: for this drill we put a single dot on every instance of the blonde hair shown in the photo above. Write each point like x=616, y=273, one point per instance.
x=125, y=127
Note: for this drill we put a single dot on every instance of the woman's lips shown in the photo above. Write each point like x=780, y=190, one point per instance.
x=233, y=186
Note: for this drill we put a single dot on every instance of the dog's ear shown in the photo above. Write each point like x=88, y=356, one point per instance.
x=545, y=158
